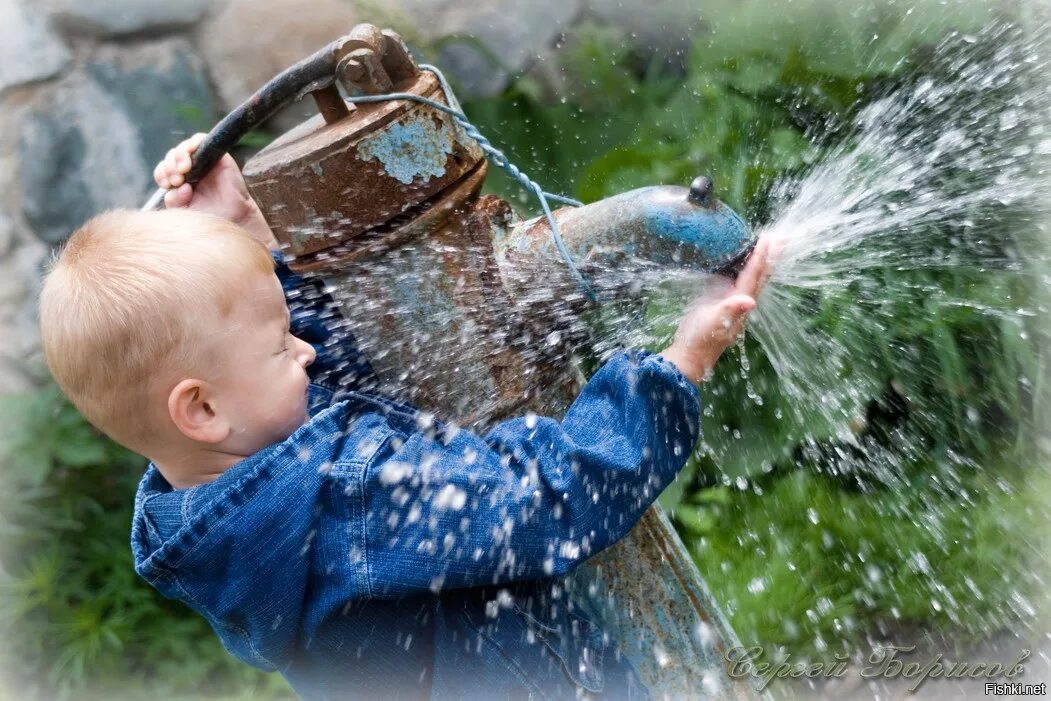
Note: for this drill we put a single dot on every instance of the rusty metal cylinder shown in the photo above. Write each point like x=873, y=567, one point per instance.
x=444, y=291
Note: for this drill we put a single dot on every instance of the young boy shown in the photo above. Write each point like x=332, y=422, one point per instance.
x=331, y=533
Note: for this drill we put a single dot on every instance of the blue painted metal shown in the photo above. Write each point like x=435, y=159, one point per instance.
x=656, y=225
x=712, y=237
x=415, y=148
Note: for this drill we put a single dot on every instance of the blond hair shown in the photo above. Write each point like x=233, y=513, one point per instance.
x=118, y=305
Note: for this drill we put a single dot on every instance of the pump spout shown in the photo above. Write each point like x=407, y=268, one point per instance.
x=651, y=226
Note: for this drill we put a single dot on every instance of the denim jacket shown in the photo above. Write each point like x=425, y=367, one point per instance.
x=378, y=554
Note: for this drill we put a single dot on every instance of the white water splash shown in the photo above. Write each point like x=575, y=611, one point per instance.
x=917, y=229
x=943, y=181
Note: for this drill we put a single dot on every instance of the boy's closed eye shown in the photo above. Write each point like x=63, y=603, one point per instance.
x=287, y=333
x=285, y=336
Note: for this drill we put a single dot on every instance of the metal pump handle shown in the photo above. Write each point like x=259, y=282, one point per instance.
x=366, y=61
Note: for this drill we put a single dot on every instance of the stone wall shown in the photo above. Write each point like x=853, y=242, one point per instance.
x=94, y=92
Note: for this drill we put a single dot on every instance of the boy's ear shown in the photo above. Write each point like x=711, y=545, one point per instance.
x=192, y=410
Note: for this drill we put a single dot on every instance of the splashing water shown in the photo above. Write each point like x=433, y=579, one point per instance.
x=939, y=176
x=898, y=334
x=910, y=251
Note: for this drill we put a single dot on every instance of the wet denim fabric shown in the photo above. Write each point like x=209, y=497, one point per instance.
x=371, y=555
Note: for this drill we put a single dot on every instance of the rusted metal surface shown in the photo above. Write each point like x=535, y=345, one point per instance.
x=321, y=184
x=330, y=104
x=437, y=326
x=413, y=223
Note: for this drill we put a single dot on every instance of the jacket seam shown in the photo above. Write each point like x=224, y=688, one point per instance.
x=151, y=530
x=361, y=477
x=509, y=661
x=362, y=528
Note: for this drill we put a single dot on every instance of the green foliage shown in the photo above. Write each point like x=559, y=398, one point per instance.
x=974, y=379
x=75, y=618
x=759, y=87
x=812, y=567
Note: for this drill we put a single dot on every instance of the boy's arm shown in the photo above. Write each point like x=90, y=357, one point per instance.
x=534, y=497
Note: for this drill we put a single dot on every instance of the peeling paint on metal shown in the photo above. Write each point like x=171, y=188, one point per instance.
x=655, y=223
x=718, y=234
x=415, y=148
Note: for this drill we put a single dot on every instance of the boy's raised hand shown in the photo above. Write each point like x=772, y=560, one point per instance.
x=718, y=318
x=221, y=191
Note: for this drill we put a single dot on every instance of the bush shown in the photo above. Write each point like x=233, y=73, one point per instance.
x=76, y=619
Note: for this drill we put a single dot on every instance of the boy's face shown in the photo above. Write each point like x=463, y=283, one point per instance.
x=259, y=378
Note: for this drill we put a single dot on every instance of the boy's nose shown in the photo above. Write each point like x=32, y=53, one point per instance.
x=308, y=354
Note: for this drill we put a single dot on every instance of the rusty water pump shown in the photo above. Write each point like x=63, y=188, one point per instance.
x=470, y=314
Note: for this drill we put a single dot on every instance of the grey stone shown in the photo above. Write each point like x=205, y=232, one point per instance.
x=121, y=17
x=29, y=50
x=91, y=143
x=251, y=41
x=14, y=378
x=21, y=361
x=79, y=154
x=162, y=87
x=665, y=27
x=7, y=233
x=473, y=71
x=484, y=45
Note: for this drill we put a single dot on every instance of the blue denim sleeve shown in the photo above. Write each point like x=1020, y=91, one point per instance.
x=316, y=320
x=535, y=497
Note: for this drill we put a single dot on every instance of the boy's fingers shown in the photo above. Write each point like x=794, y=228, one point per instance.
x=191, y=144
x=746, y=279
x=736, y=311
x=169, y=163
x=738, y=305
x=731, y=315
x=739, y=310
x=177, y=162
x=175, y=173
x=748, y=282
x=775, y=247
x=182, y=161
x=178, y=197
x=160, y=175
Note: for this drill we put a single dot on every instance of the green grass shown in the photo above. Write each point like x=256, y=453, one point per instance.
x=814, y=568
x=75, y=618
